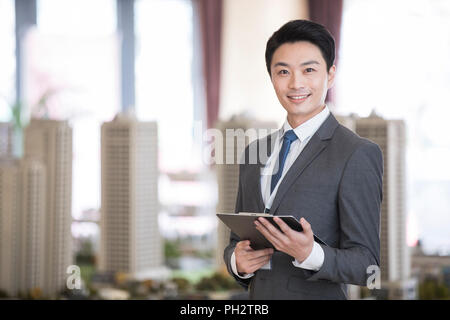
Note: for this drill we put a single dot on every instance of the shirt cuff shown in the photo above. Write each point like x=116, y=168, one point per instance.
x=314, y=261
x=234, y=268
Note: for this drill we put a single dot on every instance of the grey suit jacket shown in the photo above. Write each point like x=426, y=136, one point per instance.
x=336, y=185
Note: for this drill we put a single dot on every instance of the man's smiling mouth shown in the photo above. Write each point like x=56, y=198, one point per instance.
x=298, y=98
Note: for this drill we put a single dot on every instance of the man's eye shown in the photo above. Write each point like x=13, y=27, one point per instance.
x=283, y=72
x=309, y=70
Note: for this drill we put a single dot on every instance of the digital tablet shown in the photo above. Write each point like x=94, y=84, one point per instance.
x=243, y=225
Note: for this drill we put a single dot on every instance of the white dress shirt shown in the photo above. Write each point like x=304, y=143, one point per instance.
x=304, y=133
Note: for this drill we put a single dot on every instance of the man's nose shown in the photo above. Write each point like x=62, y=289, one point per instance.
x=296, y=81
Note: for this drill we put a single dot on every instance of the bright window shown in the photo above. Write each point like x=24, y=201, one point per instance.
x=7, y=58
x=164, y=89
x=73, y=59
x=395, y=59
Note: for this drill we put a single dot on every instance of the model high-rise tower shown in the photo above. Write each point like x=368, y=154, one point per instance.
x=390, y=136
x=32, y=266
x=22, y=226
x=50, y=143
x=395, y=254
x=347, y=121
x=10, y=210
x=6, y=139
x=130, y=239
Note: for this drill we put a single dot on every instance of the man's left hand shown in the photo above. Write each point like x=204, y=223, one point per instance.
x=296, y=244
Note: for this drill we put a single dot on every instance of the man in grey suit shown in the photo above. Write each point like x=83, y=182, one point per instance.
x=316, y=170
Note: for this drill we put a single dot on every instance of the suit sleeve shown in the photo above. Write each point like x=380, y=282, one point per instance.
x=359, y=204
x=234, y=239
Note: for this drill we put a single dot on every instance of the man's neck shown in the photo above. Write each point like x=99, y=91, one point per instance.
x=297, y=119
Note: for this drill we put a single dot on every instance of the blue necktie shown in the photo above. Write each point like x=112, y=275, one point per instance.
x=288, y=138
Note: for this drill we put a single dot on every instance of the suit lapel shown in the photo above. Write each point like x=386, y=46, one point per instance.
x=318, y=142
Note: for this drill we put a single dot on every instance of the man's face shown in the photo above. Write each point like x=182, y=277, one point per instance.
x=301, y=80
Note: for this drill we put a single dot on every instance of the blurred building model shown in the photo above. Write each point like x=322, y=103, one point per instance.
x=32, y=264
x=35, y=211
x=347, y=121
x=430, y=266
x=395, y=254
x=130, y=238
x=10, y=211
x=241, y=131
x=6, y=139
x=50, y=143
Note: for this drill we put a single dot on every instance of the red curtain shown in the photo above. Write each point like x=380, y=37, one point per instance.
x=329, y=14
x=210, y=15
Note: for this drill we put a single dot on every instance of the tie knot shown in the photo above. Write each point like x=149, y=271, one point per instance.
x=290, y=135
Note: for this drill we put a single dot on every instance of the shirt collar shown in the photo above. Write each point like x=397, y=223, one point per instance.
x=308, y=128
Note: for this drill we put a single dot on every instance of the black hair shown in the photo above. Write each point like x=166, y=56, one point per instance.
x=302, y=30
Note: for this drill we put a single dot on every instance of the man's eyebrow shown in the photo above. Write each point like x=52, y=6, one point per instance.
x=309, y=62
x=284, y=64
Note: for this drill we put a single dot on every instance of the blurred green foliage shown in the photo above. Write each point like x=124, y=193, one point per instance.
x=86, y=272
x=172, y=249
x=432, y=289
x=183, y=284
x=217, y=282
x=16, y=109
x=3, y=294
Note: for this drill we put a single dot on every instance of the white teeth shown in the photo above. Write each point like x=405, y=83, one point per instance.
x=299, y=97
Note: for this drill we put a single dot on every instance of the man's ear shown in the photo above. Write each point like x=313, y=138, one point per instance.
x=331, y=76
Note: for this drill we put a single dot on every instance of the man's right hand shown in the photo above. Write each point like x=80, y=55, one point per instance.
x=249, y=260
